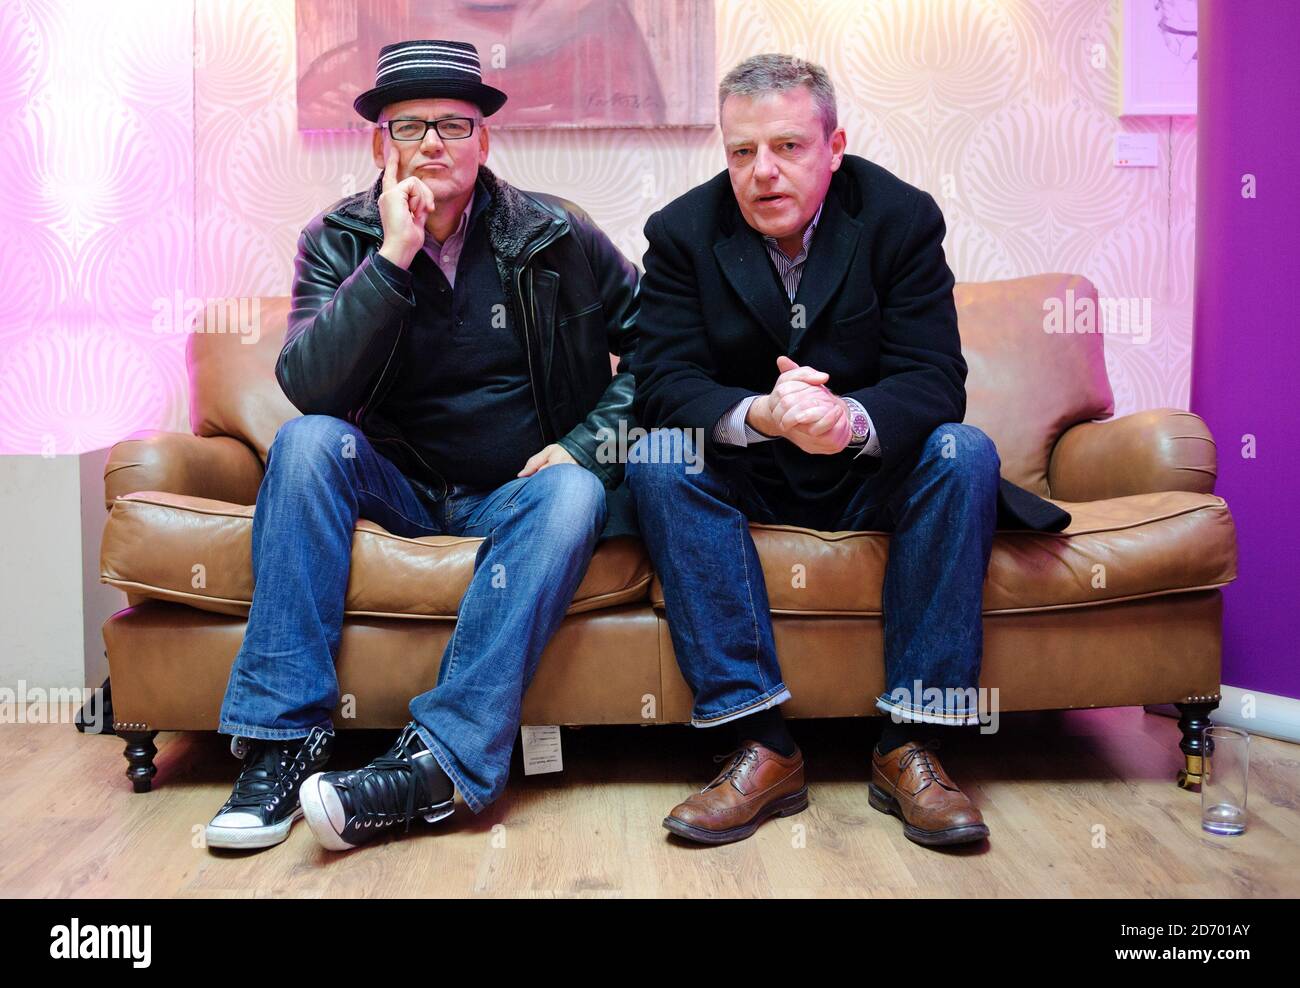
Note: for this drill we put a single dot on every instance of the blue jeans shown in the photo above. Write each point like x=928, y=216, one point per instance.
x=321, y=476
x=941, y=516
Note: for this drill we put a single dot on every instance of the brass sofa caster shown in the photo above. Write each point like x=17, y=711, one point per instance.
x=1189, y=776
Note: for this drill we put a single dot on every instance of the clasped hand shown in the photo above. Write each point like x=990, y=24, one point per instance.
x=803, y=410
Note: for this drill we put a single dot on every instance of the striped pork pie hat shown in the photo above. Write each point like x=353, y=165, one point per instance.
x=428, y=70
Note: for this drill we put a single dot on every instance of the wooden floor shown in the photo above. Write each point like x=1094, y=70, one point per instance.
x=1079, y=804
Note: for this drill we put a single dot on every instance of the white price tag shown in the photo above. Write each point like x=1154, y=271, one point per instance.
x=542, y=749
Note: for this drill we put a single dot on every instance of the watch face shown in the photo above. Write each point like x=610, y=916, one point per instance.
x=859, y=425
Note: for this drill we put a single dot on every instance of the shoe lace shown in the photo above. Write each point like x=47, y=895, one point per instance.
x=738, y=759
x=384, y=791
x=261, y=779
x=925, y=767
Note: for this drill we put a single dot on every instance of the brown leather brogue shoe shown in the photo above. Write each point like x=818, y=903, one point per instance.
x=756, y=783
x=909, y=783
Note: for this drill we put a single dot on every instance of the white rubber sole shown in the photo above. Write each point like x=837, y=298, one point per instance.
x=250, y=838
x=317, y=800
x=324, y=813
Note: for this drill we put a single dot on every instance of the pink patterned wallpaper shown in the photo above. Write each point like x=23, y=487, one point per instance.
x=1004, y=109
x=97, y=178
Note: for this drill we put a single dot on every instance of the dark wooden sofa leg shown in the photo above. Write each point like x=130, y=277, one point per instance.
x=1193, y=719
x=139, y=756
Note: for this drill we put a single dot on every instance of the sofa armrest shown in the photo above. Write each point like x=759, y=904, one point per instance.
x=1163, y=449
x=217, y=467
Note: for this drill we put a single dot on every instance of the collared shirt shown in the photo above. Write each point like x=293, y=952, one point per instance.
x=790, y=269
x=732, y=429
x=447, y=254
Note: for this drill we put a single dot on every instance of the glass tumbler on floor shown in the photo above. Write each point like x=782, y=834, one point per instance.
x=1223, y=785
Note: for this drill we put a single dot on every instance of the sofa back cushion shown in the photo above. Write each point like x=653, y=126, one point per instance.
x=233, y=390
x=1026, y=385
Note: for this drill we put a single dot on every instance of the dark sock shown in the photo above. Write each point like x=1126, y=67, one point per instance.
x=767, y=727
x=894, y=735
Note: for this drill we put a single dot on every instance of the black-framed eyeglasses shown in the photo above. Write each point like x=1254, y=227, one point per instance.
x=448, y=128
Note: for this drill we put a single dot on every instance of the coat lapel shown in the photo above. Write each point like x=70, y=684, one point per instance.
x=834, y=243
x=745, y=263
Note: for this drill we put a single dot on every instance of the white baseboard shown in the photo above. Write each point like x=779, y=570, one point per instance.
x=1273, y=716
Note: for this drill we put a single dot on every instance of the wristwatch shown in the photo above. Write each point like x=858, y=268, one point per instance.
x=859, y=424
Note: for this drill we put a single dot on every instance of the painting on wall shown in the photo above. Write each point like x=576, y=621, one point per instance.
x=563, y=63
x=1158, y=61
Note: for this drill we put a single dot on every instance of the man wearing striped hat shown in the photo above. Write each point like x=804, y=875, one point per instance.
x=440, y=396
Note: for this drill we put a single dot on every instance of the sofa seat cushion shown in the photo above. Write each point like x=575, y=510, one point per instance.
x=199, y=552
x=1117, y=549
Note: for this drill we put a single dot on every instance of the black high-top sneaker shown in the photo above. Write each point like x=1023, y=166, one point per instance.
x=264, y=803
x=346, y=809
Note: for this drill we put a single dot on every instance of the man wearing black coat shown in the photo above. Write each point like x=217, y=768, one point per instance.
x=797, y=316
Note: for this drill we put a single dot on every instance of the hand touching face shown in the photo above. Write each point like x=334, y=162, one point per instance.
x=404, y=207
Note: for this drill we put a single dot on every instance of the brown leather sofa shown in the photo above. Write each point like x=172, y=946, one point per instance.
x=1123, y=608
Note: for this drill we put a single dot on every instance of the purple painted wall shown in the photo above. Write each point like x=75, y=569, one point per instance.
x=1246, y=354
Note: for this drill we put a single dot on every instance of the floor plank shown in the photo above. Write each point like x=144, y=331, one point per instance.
x=1051, y=786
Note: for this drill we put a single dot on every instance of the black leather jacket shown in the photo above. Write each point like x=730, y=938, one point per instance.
x=573, y=297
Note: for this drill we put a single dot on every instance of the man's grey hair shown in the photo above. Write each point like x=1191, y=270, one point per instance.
x=775, y=73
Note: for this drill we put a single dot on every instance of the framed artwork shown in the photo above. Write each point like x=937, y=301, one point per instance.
x=1158, y=58
x=562, y=63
